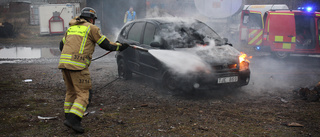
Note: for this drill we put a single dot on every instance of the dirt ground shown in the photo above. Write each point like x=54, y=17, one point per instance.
x=137, y=107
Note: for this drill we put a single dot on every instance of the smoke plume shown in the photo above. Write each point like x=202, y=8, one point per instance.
x=180, y=62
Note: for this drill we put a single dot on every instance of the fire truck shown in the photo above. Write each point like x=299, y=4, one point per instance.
x=281, y=31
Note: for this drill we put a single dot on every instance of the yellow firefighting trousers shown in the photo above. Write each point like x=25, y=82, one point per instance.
x=78, y=84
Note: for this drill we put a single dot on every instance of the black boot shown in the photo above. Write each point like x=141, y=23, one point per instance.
x=66, y=115
x=73, y=121
x=66, y=123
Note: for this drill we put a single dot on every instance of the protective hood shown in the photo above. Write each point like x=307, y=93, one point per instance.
x=76, y=21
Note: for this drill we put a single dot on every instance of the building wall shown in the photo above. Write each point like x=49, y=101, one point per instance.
x=82, y=2
x=19, y=6
x=8, y=7
x=111, y=12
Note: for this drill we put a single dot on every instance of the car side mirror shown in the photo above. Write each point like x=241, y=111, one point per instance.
x=225, y=40
x=155, y=44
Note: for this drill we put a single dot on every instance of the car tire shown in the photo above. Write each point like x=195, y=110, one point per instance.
x=244, y=78
x=281, y=54
x=123, y=70
x=245, y=81
x=169, y=82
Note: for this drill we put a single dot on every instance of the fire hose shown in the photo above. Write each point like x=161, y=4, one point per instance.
x=132, y=46
x=101, y=56
x=112, y=80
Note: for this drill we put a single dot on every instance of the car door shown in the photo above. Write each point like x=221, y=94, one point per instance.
x=281, y=30
x=149, y=65
x=306, y=32
x=318, y=32
x=133, y=38
x=251, y=27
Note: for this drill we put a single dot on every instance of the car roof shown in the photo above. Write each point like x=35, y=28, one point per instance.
x=162, y=20
x=293, y=11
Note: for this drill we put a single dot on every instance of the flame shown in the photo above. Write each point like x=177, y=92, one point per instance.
x=244, y=57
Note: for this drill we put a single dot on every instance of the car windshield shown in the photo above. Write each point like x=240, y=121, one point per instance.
x=187, y=35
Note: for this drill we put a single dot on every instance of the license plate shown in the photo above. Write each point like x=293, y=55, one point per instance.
x=227, y=79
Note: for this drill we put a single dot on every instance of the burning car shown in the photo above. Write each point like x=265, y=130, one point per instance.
x=181, y=54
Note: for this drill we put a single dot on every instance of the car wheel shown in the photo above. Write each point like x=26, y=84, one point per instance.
x=123, y=70
x=281, y=54
x=170, y=82
x=246, y=81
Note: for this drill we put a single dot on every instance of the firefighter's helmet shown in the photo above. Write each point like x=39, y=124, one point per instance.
x=88, y=12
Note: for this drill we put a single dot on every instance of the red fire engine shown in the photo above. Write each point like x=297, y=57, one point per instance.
x=281, y=31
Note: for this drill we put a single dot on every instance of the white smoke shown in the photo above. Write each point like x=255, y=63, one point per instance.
x=185, y=33
x=197, y=59
x=181, y=62
x=193, y=47
x=267, y=74
x=218, y=54
x=157, y=12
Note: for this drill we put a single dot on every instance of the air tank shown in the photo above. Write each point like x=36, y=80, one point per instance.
x=219, y=8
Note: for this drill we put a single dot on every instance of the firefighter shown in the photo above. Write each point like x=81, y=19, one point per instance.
x=303, y=37
x=130, y=15
x=77, y=47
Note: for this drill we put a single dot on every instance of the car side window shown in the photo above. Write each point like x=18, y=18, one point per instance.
x=319, y=28
x=135, y=31
x=245, y=19
x=125, y=30
x=149, y=34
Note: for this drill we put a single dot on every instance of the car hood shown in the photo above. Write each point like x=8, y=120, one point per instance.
x=197, y=59
x=215, y=55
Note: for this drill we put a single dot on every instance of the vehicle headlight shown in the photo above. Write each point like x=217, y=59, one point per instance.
x=244, y=61
x=244, y=66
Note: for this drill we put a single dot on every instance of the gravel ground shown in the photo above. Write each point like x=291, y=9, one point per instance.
x=138, y=107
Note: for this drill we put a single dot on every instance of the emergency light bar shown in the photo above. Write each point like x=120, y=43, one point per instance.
x=308, y=9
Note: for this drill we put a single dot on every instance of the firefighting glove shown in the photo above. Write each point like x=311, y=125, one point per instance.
x=123, y=46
